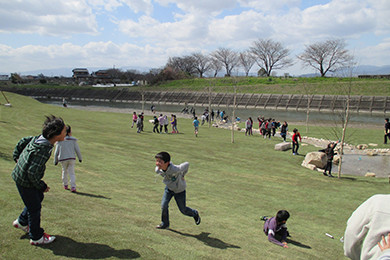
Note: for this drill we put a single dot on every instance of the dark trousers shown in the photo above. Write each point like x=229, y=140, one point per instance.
x=387, y=136
x=295, y=147
x=31, y=214
x=328, y=167
x=155, y=129
x=181, y=204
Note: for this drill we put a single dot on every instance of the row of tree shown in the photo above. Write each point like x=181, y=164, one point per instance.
x=269, y=55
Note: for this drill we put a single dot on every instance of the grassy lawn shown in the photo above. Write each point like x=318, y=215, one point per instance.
x=267, y=85
x=114, y=214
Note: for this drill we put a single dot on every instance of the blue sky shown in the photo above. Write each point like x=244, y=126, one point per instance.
x=47, y=34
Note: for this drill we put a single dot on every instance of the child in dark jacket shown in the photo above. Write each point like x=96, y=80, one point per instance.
x=275, y=228
x=31, y=154
x=329, y=151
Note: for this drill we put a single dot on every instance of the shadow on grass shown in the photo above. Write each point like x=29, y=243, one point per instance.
x=6, y=156
x=210, y=241
x=296, y=243
x=65, y=246
x=91, y=195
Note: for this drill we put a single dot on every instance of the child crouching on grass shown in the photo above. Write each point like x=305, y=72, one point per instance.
x=275, y=228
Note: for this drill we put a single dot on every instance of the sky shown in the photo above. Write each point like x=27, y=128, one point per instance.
x=48, y=34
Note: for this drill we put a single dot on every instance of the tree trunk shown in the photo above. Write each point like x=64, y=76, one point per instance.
x=343, y=136
x=234, y=110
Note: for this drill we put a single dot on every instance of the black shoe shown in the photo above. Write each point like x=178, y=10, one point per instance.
x=330, y=175
x=161, y=226
x=197, y=218
x=264, y=218
x=324, y=173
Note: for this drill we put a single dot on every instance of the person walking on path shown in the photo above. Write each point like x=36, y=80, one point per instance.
x=65, y=153
x=31, y=154
x=175, y=186
x=295, y=143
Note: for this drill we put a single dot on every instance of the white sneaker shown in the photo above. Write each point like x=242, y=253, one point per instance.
x=45, y=239
x=16, y=224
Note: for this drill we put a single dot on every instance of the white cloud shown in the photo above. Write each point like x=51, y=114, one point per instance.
x=46, y=17
x=375, y=55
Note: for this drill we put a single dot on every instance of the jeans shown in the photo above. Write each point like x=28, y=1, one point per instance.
x=328, y=167
x=181, y=204
x=31, y=214
x=295, y=147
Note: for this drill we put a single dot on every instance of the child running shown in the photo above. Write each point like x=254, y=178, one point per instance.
x=195, y=123
x=175, y=187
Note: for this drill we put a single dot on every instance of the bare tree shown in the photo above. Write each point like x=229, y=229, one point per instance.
x=327, y=56
x=247, y=61
x=202, y=63
x=270, y=55
x=215, y=65
x=227, y=58
x=184, y=64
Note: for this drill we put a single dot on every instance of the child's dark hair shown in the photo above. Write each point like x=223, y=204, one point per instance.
x=282, y=215
x=68, y=129
x=163, y=156
x=52, y=126
x=387, y=119
x=295, y=130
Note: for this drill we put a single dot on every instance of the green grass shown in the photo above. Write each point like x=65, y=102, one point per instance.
x=118, y=205
x=267, y=85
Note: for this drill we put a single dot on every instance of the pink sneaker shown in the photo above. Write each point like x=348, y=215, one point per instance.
x=45, y=239
x=16, y=224
x=73, y=189
x=66, y=187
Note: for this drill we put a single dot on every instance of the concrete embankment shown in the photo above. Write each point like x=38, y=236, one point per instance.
x=320, y=103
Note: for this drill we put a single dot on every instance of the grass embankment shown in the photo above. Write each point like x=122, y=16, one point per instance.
x=271, y=85
x=118, y=204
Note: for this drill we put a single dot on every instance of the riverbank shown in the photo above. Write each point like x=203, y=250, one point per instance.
x=363, y=149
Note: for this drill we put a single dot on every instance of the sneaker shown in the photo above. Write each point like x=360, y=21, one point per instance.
x=73, y=189
x=66, y=187
x=264, y=218
x=324, y=173
x=197, y=218
x=293, y=153
x=161, y=226
x=330, y=175
x=45, y=239
x=16, y=224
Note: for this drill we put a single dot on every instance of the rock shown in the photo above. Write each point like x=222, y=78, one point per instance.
x=336, y=159
x=283, y=146
x=371, y=153
x=309, y=166
x=361, y=146
x=316, y=158
x=370, y=174
x=371, y=144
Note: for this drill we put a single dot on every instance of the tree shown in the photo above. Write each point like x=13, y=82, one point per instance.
x=215, y=65
x=270, y=55
x=202, y=63
x=327, y=56
x=184, y=64
x=247, y=61
x=227, y=57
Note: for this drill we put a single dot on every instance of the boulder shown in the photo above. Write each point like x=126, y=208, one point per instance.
x=370, y=174
x=336, y=159
x=309, y=166
x=361, y=146
x=316, y=158
x=283, y=146
x=371, y=153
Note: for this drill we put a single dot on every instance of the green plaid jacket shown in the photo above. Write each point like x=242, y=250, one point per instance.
x=31, y=157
